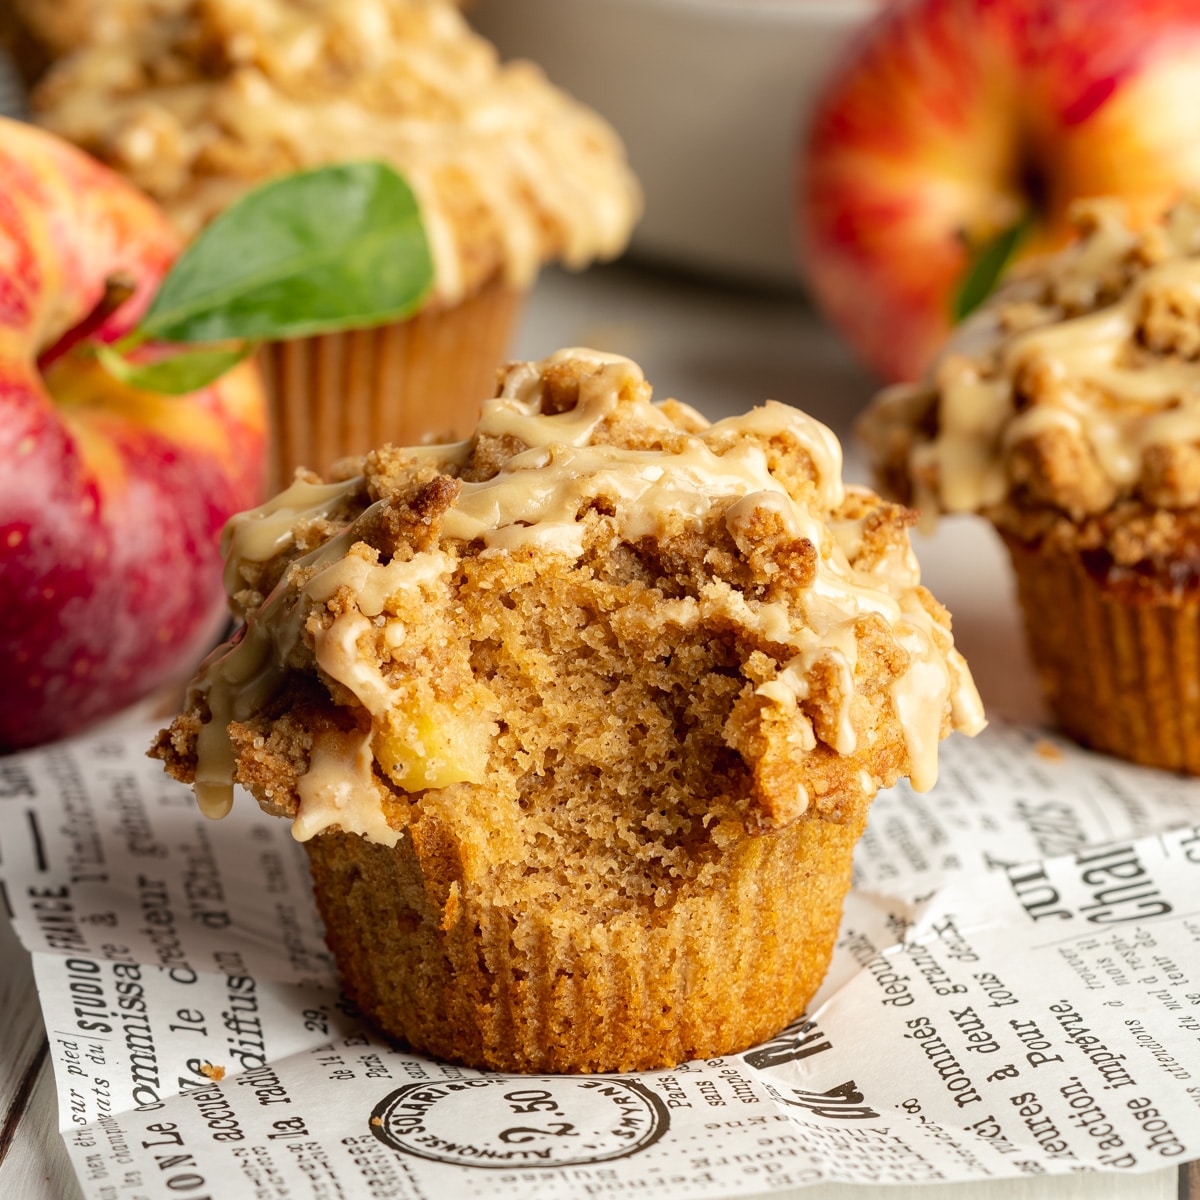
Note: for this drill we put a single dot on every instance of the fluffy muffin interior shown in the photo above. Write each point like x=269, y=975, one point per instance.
x=582, y=700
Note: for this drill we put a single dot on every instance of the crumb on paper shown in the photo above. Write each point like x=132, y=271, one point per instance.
x=1046, y=749
x=377, y=1121
x=216, y=1074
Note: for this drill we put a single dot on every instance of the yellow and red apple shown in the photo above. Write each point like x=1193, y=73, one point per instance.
x=111, y=499
x=950, y=121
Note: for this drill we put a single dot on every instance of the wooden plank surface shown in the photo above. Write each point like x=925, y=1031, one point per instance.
x=33, y=1158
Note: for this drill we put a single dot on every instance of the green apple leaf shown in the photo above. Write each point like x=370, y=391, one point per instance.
x=338, y=247
x=988, y=263
x=176, y=375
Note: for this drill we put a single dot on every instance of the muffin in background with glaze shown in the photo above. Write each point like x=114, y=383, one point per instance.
x=197, y=101
x=1067, y=412
x=579, y=720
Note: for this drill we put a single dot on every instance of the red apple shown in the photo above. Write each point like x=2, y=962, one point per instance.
x=111, y=500
x=949, y=120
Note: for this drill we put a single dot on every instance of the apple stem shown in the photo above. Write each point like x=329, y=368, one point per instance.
x=117, y=290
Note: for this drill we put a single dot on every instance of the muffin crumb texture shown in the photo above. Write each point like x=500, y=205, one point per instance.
x=579, y=719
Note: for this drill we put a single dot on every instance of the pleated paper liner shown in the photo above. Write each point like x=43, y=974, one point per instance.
x=1118, y=658
x=725, y=964
x=411, y=382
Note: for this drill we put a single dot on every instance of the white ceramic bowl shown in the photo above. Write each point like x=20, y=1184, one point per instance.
x=710, y=96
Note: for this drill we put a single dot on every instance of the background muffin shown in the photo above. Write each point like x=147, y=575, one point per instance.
x=198, y=101
x=1068, y=413
x=579, y=721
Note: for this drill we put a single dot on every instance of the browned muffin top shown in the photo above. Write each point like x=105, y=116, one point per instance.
x=599, y=620
x=198, y=100
x=1069, y=407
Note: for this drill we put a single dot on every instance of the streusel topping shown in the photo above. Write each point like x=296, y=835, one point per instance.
x=595, y=588
x=66, y=25
x=1076, y=389
x=202, y=99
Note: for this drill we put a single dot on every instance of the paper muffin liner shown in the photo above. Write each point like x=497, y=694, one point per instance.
x=410, y=382
x=728, y=962
x=1119, y=660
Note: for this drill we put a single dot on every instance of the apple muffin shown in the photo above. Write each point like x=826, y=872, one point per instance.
x=579, y=720
x=197, y=101
x=1067, y=412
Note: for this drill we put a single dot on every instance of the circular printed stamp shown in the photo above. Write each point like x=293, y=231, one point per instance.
x=505, y=1121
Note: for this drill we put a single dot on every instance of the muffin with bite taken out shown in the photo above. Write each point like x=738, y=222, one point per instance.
x=579, y=720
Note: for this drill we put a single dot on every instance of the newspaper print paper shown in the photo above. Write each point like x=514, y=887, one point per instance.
x=1015, y=990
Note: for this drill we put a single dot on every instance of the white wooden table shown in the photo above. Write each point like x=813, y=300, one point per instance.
x=721, y=350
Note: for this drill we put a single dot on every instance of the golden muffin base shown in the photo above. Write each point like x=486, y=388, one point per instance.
x=409, y=382
x=725, y=965
x=1118, y=656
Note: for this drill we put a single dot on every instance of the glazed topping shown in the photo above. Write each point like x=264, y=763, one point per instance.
x=200, y=100
x=1077, y=386
x=336, y=787
x=655, y=473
